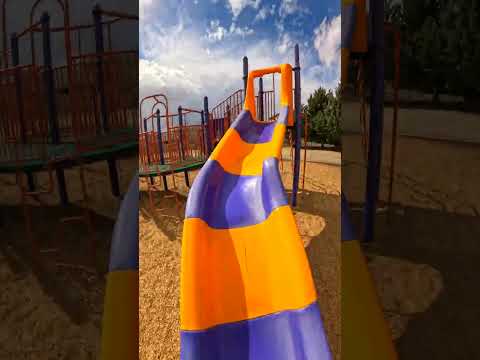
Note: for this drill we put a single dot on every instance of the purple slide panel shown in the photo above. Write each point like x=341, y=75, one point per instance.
x=226, y=201
x=253, y=132
x=287, y=335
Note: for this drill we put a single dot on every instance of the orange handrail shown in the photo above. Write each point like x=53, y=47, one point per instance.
x=286, y=90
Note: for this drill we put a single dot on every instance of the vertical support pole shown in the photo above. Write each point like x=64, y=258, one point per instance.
x=396, y=86
x=145, y=133
x=18, y=87
x=180, y=123
x=204, y=146
x=19, y=98
x=260, y=99
x=245, y=75
x=99, y=49
x=207, y=122
x=112, y=171
x=160, y=147
x=298, y=127
x=229, y=115
x=51, y=105
x=376, y=117
x=49, y=82
x=182, y=150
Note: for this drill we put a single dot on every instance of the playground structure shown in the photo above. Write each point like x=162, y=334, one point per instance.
x=60, y=116
x=360, y=303
x=262, y=304
x=183, y=141
x=357, y=67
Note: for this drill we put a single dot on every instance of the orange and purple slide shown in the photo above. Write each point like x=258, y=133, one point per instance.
x=247, y=292
x=365, y=333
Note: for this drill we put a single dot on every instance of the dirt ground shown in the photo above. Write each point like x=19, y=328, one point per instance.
x=434, y=221
x=52, y=308
x=160, y=250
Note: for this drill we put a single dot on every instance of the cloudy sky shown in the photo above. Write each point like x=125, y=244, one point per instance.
x=193, y=48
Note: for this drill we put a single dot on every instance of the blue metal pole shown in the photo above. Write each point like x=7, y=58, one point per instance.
x=182, y=149
x=260, y=99
x=51, y=105
x=376, y=117
x=146, y=147
x=18, y=87
x=180, y=124
x=160, y=147
x=50, y=86
x=202, y=116
x=245, y=75
x=99, y=49
x=19, y=98
x=207, y=123
x=298, y=127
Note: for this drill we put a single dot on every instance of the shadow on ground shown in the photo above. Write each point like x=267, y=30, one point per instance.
x=169, y=211
x=449, y=242
x=64, y=267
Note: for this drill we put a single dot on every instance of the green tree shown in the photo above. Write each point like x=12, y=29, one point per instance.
x=440, y=49
x=323, y=111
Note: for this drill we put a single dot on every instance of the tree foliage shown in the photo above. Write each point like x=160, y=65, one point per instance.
x=440, y=50
x=323, y=111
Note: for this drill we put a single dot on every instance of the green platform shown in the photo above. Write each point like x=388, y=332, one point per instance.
x=35, y=157
x=167, y=169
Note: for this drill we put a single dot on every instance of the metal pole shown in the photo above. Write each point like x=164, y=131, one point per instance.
x=260, y=99
x=376, y=117
x=182, y=150
x=207, y=122
x=160, y=147
x=180, y=124
x=19, y=98
x=145, y=134
x=99, y=49
x=298, y=127
x=202, y=117
x=50, y=85
x=51, y=105
x=112, y=170
x=229, y=115
x=245, y=75
x=18, y=87
x=395, y=117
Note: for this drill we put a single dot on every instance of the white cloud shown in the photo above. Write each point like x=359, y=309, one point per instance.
x=216, y=32
x=289, y=7
x=241, y=31
x=144, y=7
x=186, y=64
x=265, y=12
x=285, y=43
x=327, y=41
x=237, y=6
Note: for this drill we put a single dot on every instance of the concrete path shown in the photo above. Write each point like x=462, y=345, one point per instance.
x=429, y=124
x=318, y=156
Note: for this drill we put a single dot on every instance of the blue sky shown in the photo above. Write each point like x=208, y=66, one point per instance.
x=193, y=48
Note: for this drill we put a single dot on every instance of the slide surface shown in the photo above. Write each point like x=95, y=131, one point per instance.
x=365, y=333
x=247, y=291
x=120, y=314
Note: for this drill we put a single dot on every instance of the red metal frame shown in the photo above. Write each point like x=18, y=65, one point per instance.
x=75, y=83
